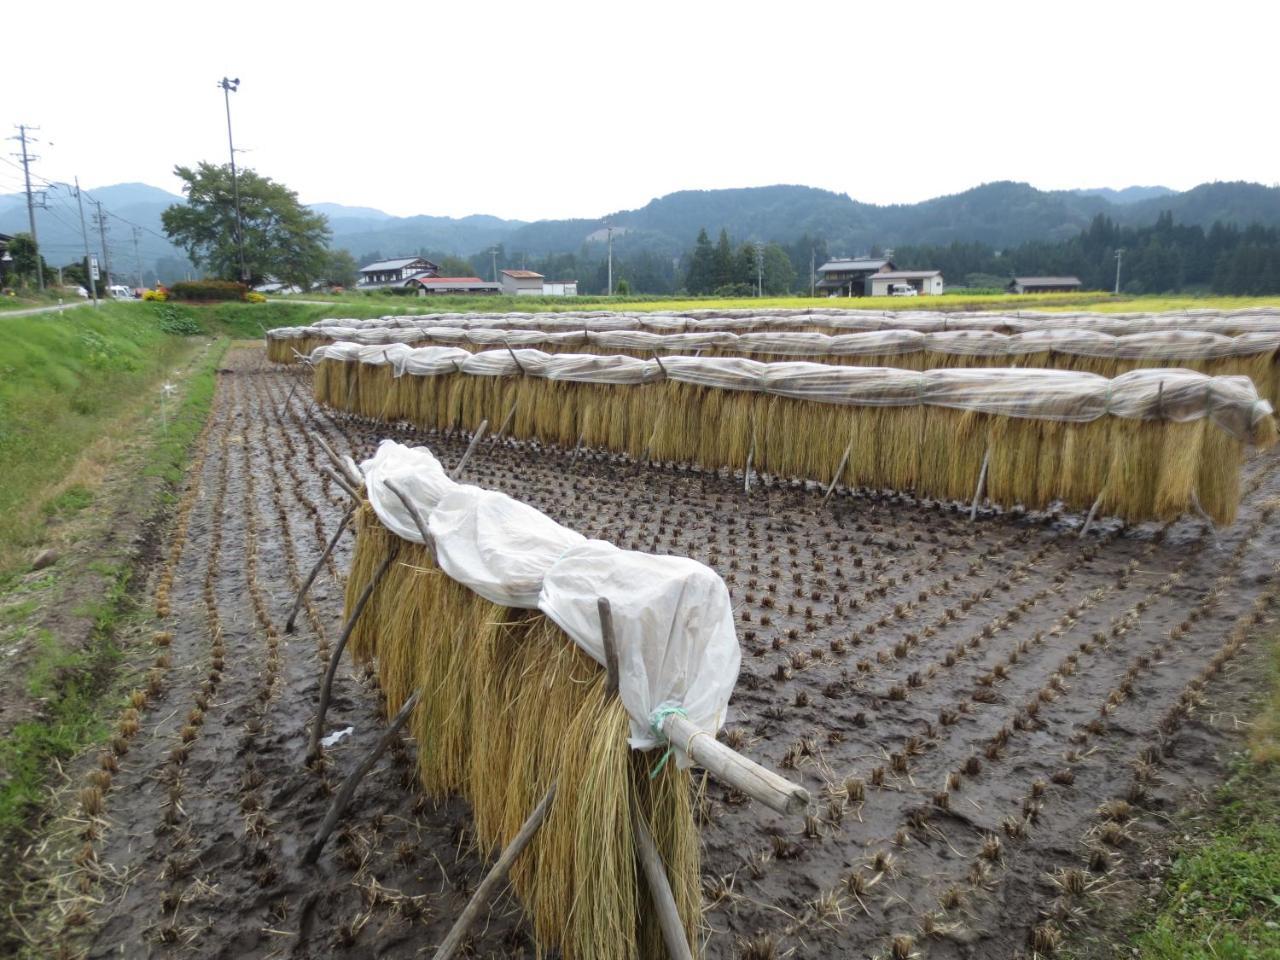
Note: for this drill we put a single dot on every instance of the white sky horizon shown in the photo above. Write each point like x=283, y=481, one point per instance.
x=577, y=109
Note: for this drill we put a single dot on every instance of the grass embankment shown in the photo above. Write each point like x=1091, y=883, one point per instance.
x=1222, y=897
x=76, y=388
x=65, y=379
x=371, y=305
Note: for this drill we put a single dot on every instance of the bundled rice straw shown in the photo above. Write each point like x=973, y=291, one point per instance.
x=1255, y=355
x=510, y=705
x=1148, y=442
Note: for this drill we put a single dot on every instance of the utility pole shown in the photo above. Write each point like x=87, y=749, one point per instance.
x=759, y=270
x=813, y=275
x=84, y=235
x=493, y=259
x=31, y=207
x=228, y=87
x=1119, y=255
x=137, y=231
x=102, y=232
x=609, y=234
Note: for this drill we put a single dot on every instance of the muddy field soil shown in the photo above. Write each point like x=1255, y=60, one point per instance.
x=990, y=716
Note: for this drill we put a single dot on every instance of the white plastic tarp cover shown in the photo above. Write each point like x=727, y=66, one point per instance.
x=672, y=617
x=496, y=545
x=417, y=473
x=673, y=623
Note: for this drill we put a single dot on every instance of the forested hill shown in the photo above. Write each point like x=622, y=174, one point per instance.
x=999, y=214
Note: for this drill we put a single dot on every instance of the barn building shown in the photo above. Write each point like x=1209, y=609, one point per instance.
x=522, y=283
x=886, y=283
x=1044, y=285
x=444, y=286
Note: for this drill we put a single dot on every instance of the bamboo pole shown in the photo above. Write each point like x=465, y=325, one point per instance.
x=982, y=485
x=348, y=789
x=348, y=468
x=326, y=686
x=497, y=874
x=315, y=570
x=457, y=472
x=757, y=782
x=341, y=481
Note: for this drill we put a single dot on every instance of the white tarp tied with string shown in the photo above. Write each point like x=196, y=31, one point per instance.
x=672, y=616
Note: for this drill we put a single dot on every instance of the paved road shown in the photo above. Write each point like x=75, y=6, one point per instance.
x=53, y=308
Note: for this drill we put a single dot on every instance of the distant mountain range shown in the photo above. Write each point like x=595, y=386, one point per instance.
x=1000, y=214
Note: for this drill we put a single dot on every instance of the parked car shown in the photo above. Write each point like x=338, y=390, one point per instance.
x=119, y=292
x=903, y=290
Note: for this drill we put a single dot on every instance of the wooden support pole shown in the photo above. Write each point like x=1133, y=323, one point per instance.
x=610, y=647
x=1093, y=512
x=664, y=901
x=839, y=470
x=326, y=687
x=287, y=400
x=341, y=481
x=418, y=521
x=457, y=472
x=346, y=465
x=982, y=485
x=746, y=474
x=348, y=789
x=496, y=876
x=506, y=422
x=1203, y=515
x=576, y=447
x=514, y=358
x=315, y=570
x=731, y=767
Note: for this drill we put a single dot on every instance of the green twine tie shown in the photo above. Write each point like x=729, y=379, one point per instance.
x=656, y=721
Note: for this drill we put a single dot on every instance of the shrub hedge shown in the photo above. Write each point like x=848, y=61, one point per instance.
x=208, y=290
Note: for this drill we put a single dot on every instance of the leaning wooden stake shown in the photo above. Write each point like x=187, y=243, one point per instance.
x=496, y=876
x=576, y=447
x=326, y=687
x=506, y=422
x=1093, y=512
x=982, y=485
x=746, y=474
x=839, y=470
x=347, y=467
x=341, y=481
x=348, y=789
x=315, y=571
x=427, y=540
x=457, y=472
x=664, y=901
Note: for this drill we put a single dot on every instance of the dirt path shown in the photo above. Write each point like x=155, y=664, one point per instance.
x=959, y=698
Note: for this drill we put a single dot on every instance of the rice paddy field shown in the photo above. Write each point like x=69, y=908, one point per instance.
x=994, y=718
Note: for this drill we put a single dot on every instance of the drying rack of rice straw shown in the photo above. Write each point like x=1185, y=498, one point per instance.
x=286, y=344
x=489, y=623
x=1148, y=444
x=1253, y=354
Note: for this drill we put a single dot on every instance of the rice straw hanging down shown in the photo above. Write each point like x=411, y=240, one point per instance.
x=511, y=705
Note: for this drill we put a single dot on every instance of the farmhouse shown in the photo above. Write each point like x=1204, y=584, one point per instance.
x=427, y=286
x=522, y=283
x=393, y=273
x=1044, y=285
x=888, y=282
x=848, y=277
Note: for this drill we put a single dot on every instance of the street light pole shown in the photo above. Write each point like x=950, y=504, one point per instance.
x=1119, y=255
x=229, y=86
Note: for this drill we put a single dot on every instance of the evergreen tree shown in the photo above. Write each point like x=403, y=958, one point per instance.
x=722, y=271
x=700, y=278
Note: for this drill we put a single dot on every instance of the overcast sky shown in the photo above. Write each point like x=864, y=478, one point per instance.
x=550, y=109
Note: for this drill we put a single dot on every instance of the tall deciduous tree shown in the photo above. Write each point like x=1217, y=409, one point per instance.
x=282, y=238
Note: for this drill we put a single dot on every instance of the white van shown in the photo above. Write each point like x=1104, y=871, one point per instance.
x=118, y=292
x=903, y=290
